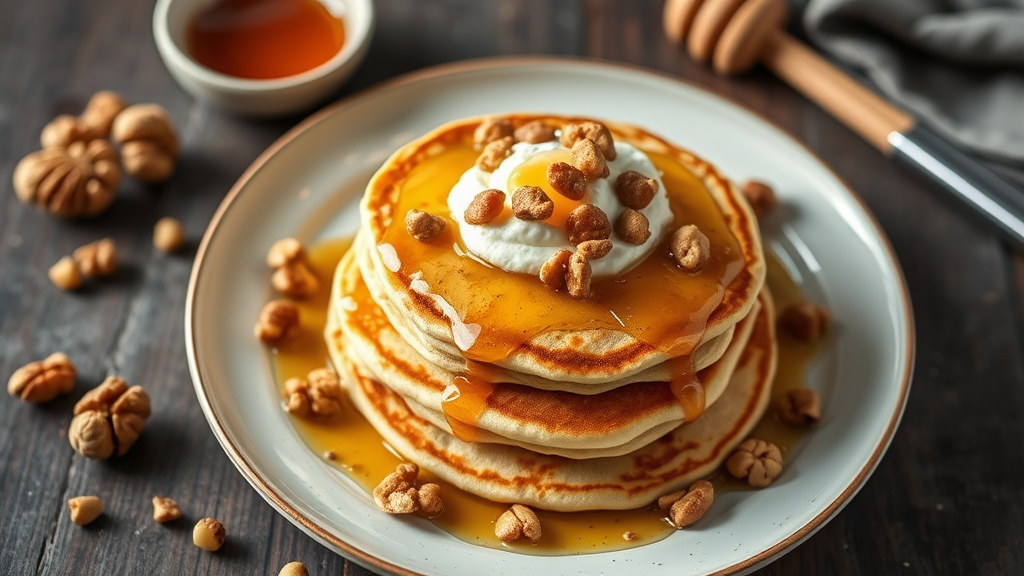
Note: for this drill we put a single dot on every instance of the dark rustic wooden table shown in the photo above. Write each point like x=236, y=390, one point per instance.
x=948, y=498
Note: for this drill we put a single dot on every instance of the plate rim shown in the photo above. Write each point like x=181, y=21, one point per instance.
x=263, y=486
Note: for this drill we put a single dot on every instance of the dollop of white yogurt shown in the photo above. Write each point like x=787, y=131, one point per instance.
x=523, y=246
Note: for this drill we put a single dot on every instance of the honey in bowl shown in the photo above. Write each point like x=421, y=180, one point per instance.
x=264, y=39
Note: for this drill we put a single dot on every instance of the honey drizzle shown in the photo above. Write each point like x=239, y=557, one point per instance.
x=360, y=452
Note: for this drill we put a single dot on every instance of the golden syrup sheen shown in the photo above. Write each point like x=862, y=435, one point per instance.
x=264, y=39
x=362, y=454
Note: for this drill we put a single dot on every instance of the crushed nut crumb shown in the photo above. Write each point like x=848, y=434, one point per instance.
x=494, y=153
x=65, y=274
x=594, y=249
x=588, y=222
x=629, y=536
x=531, y=203
x=635, y=190
x=588, y=159
x=758, y=461
x=424, y=226
x=165, y=509
x=209, y=534
x=485, y=207
x=577, y=279
x=516, y=523
x=554, y=271
x=760, y=196
x=535, y=132
x=567, y=180
x=279, y=321
x=490, y=130
x=690, y=248
x=800, y=406
x=594, y=131
x=633, y=227
x=330, y=455
x=44, y=380
x=804, y=320
x=85, y=509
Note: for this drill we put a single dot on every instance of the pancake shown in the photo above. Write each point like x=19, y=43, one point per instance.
x=440, y=303
x=576, y=426
x=512, y=474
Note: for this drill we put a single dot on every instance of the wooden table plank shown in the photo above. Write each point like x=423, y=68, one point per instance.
x=946, y=499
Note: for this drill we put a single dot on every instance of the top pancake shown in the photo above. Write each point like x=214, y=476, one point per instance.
x=438, y=298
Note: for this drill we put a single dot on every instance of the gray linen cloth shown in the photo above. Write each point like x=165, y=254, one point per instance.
x=958, y=64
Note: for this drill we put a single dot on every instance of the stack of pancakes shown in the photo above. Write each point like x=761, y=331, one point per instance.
x=572, y=417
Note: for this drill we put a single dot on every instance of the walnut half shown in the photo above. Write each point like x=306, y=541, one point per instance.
x=43, y=381
x=108, y=418
x=756, y=460
x=71, y=182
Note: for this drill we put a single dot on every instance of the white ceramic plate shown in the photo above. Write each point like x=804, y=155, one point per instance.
x=306, y=184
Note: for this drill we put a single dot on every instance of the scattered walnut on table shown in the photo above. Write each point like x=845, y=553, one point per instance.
x=397, y=493
x=168, y=234
x=633, y=227
x=44, y=380
x=98, y=116
x=517, y=523
x=690, y=248
x=96, y=259
x=485, y=207
x=65, y=130
x=595, y=132
x=149, y=145
x=279, y=321
x=108, y=419
x=424, y=226
x=165, y=509
x=85, y=509
x=588, y=159
x=209, y=534
x=800, y=406
x=77, y=181
x=758, y=461
x=65, y=274
x=531, y=203
x=318, y=395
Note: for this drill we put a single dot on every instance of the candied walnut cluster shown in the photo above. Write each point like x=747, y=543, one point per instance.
x=318, y=395
x=397, y=493
x=292, y=276
x=424, y=226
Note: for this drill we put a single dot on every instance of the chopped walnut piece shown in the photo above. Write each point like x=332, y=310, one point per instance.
x=424, y=226
x=85, y=509
x=588, y=159
x=593, y=131
x=633, y=227
x=285, y=251
x=554, y=271
x=690, y=248
x=109, y=417
x=295, y=280
x=279, y=321
x=758, y=461
x=760, y=196
x=588, y=222
x=491, y=129
x=64, y=130
x=293, y=569
x=97, y=258
x=43, y=381
x=516, y=523
x=693, y=505
x=168, y=234
x=594, y=249
x=485, y=207
x=397, y=493
x=567, y=180
x=800, y=406
x=577, y=279
x=531, y=203
x=635, y=190
x=535, y=132
x=165, y=509
x=494, y=153
x=804, y=320
x=209, y=534
x=318, y=395
x=65, y=274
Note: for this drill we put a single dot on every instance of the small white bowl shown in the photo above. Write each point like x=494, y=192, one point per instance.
x=260, y=97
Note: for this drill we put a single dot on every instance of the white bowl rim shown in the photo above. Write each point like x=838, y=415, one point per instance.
x=167, y=46
x=264, y=487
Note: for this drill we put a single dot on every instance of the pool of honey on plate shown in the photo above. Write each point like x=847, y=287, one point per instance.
x=357, y=449
x=264, y=39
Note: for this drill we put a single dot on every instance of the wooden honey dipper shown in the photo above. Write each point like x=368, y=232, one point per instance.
x=736, y=34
